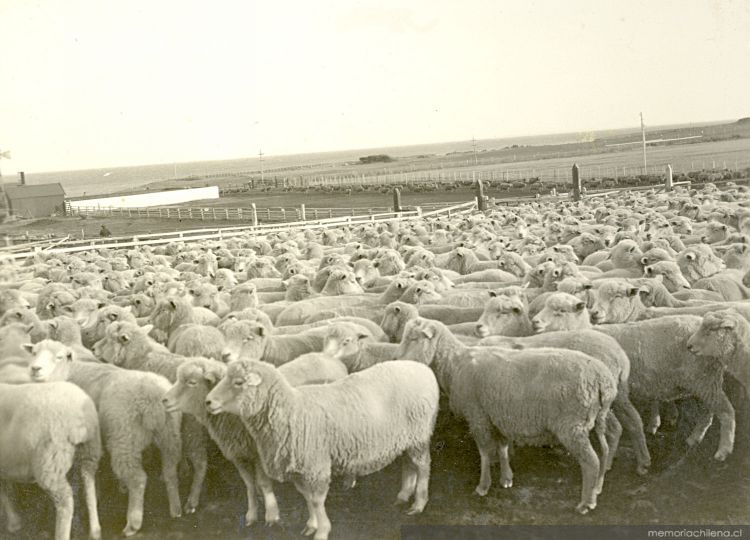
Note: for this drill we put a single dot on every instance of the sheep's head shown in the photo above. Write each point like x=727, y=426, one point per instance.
x=626, y=254
x=342, y=281
x=513, y=263
x=420, y=341
x=460, y=259
x=50, y=361
x=365, y=272
x=421, y=292
x=719, y=335
x=243, y=296
x=195, y=379
x=437, y=278
x=244, y=388
x=561, y=311
x=64, y=329
x=13, y=338
x=655, y=255
x=699, y=261
x=244, y=339
x=672, y=277
x=395, y=316
x=616, y=301
x=389, y=263
x=343, y=340
x=737, y=256
x=122, y=338
x=715, y=232
x=502, y=314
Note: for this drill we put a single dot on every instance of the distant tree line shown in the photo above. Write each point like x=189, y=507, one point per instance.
x=375, y=158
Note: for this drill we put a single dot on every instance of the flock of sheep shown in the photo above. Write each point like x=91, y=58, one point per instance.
x=318, y=353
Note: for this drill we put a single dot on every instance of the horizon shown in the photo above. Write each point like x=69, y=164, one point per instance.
x=107, y=85
x=635, y=129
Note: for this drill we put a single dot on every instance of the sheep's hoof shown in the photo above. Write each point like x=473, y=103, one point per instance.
x=722, y=454
x=585, y=508
x=189, y=509
x=95, y=535
x=272, y=518
x=414, y=510
x=481, y=490
x=309, y=530
x=506, y=482
x=642, y=470
x=129, y=530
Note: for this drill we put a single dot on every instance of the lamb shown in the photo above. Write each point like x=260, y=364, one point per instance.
x=354, y=426
x=725, y=336
x=662, y=369
x=610, y=353
x=492, y=389
x=131, y=417
x=44, y=426
x=355, y=349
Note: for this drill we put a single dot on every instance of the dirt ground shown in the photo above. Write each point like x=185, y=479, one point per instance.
x=684, y=487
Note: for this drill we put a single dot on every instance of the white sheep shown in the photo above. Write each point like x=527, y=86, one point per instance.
x=131, y=417
x=355, y=426
x=526, y=396
x=44, y=426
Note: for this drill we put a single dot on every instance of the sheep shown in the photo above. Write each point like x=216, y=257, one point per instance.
x=725, y=335
x=131, y=417
x=247, y=339
x=44, y=426
x=66, y=331
x=616, y=301
x=662, y=369
x=175, y=318
x=492, y=388
x=562, y=311
x=504, y=315
x=699, y=261
x=465, y=261
x=93, y=329
x=671, y=274
x=397, y=314
x=355, y=349
x=743, y=308
x=354, y=426
x=607, y=350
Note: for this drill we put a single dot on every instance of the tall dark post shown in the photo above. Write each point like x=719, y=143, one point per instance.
x=668, y=179
x=576, y=183
x=481, y=201
x=22, y=178
x=396, y=200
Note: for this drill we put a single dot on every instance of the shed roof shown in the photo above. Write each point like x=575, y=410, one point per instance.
x=18, y=191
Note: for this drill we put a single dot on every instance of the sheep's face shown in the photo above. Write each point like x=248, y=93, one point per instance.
x=225, y=279
x=57, y=301
x=561, y=312
x=341, y=282
x=394, y=319
x=241, y=391
x=421, y=292
x=419, y=342
x=718, y=335
x=715, y=232
x=13, y=337
x=672, y=277
x=298, y=288
x=655, y=255
x=588, y=244
x=195, y=379
x=343, y=341
x=616, y=301
x=459, y=260
x=50, y=361
x=535, y=277
x=244, y=339
x=699, y=261
x=243, y=296
x=626, y=254
x=737, y=256
x=389, y=263
x=438, y=280
x=364, y=272
x=141, y=304
x=500, y=313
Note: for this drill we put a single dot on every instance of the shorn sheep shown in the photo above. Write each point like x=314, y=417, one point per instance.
x=43, y=427
x=131, y=417
x=493, y=388
x=355, y=426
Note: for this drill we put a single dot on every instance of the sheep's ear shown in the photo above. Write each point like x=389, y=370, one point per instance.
x=52, y=324
x=493, y=294
x=428, y=331
x=690, y=256
x=147, y=328
x=580, y=306
x=112, y=317
x=28, y=347
x=632, y=291
x=123, y=338
x=649, y=270
x=397, y=309
x=69, y=356
x=253, y=379
x=172, y=304
x=360, y=337
x=261, y=331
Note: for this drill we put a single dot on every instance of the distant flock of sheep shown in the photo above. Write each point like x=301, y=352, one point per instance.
x=314, y=353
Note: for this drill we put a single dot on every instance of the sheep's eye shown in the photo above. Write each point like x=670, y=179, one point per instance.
x=238, y=382
x=192, y=383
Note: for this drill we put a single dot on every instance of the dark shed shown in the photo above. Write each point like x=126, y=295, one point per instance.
x=39, y=200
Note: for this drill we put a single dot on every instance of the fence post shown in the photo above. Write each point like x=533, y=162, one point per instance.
x=283, y=214
x=481, y=203
x=668, y=179
x=202, y=217
x=576, y=183
x=213, y=211
x=255, y=214
x=302, y=215
x=396, y=200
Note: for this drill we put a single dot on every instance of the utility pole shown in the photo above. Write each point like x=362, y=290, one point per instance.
x=260, y=159
x=643, y=138
x=474, y=146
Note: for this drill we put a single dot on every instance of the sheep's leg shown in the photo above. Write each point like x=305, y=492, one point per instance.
x=251, y=516
x=269, y=498
x=613, y=434
x=169, y=443
x=62, y=497
x=195, y=448
x=135, y=481
x=702, y=424
x=723, y=410
x=420, y=457
x=90, y=454
x=485, y=475
x=50, y=466
x=506, y=473
x=633, y=425
x=318, y=495
x=654, y=420
x=13, y=520
x=576, y=441
x=408, y=481
x=312, y=521
x=602, y=428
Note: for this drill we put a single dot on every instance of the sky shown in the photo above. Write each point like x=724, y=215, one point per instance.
x=100, y=83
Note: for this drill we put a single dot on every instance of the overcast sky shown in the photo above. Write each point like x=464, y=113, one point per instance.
x=96, y=83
